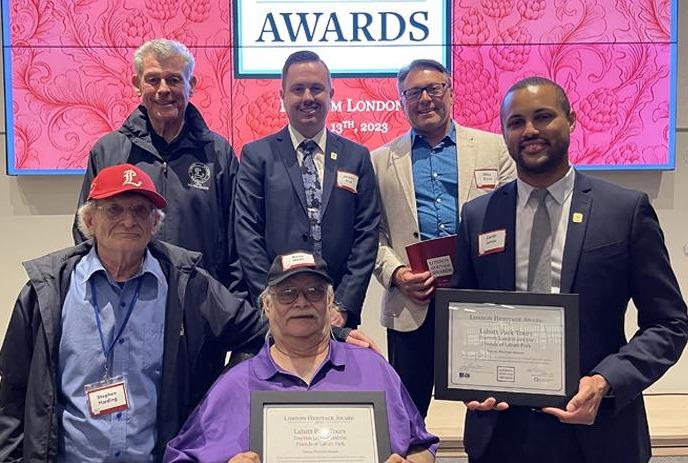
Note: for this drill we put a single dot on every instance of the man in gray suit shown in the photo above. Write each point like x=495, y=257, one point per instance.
x=424, y=177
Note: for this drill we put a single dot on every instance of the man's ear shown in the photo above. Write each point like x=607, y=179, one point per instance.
x=572, y=121
x=88, y=221
x=192, y=85
x=136, y=82
x=156, y=222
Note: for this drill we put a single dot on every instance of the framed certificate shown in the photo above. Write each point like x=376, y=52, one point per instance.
x=319, y=427
x=518, y=347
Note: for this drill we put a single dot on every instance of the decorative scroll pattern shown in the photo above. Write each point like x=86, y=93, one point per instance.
x=71, y=74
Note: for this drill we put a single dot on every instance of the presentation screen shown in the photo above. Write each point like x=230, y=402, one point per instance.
x=68, y=68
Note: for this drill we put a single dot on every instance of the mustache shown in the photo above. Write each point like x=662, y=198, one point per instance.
x=533, y=139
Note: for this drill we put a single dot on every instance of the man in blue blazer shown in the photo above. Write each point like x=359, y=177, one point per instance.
x=605, y=244
x=305, y=187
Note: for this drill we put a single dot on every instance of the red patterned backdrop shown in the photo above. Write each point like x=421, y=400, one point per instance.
x=70, y=73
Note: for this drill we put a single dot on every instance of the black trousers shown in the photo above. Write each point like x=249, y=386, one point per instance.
x=412, y=354
x=524, y=435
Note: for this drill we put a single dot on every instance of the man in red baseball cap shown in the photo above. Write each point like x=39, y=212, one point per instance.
x=101, y=358
x=121, y=178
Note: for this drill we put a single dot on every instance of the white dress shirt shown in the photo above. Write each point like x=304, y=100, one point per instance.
x=320, y=139
x=559, y=207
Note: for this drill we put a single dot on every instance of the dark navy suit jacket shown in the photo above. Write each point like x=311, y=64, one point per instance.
x=271, y=214
x=615, y=254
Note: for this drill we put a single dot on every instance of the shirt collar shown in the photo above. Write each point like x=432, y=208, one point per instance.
x=93, y=265
x=265, y=367
x=320, y=138
x=449, y=137
x=560, y=190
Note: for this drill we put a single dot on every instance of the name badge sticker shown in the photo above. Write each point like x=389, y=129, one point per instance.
x=107, y=396
x=486, y=178
x=347, y=181
x=297, y=259
x=491, y=242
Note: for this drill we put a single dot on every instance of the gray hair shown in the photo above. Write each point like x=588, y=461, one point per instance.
x=89, y=208
x=164, y=49
x=421, y=64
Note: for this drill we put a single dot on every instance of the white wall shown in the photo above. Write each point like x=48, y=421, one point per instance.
x=36, y=216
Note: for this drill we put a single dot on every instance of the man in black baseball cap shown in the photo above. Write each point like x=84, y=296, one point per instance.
x=288, y=265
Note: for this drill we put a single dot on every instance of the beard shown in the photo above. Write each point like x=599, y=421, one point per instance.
x=557, y=155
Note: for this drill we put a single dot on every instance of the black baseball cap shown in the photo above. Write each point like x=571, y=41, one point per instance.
x=294, y=263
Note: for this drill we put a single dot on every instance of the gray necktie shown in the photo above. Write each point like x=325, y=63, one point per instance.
x=313, y=190
x=540, y=257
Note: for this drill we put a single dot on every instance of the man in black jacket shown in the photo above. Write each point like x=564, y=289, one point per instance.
x=192, y=166
x=101, y=359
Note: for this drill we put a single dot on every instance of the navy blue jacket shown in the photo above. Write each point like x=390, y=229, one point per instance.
x=271, y=215
x=616, y=254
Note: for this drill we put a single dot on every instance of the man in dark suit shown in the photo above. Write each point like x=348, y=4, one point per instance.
x=600, y=241
x=307, y=188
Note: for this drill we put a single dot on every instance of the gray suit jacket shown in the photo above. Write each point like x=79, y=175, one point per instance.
x=476, y=151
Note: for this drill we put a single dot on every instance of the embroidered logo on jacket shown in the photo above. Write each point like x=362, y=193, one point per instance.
x=199, y=174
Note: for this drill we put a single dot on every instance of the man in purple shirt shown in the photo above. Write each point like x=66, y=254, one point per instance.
x=298, y=356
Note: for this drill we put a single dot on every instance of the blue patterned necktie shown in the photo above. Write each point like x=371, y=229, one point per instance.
x=313, y=189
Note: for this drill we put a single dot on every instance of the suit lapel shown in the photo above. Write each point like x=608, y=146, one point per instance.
x=501, y=215
x=401, y=162
x=331, y=146
x=466, y=153
x=288, y=155
x=580, y=204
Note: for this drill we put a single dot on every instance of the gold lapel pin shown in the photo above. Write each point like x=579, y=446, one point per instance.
x=577, y=217
x=333, y=156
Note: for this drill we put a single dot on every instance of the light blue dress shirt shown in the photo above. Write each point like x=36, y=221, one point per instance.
x=436, y=183
x=129, y=435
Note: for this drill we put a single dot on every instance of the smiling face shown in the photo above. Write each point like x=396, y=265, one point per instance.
x=123, y=224
x=429, y=116
x=164, y=89
x=304, y=317
x=306, y=94
x=537, y=133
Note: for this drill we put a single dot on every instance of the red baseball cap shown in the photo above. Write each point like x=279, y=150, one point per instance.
x=123, y=178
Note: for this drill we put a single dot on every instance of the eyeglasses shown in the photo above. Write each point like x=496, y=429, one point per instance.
x=116, y=211
x=434, y=91
x=311, y=293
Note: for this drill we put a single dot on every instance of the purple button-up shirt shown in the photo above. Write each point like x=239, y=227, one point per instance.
x=219, y=428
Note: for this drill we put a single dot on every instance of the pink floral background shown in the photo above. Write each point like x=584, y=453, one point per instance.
x=71, y=72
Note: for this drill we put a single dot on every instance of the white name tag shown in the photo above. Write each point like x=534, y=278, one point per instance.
x=440, y=266
x=107, y=396
x=347, y=181
x=486, y=178
x=491, y=242
x=297, y=259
